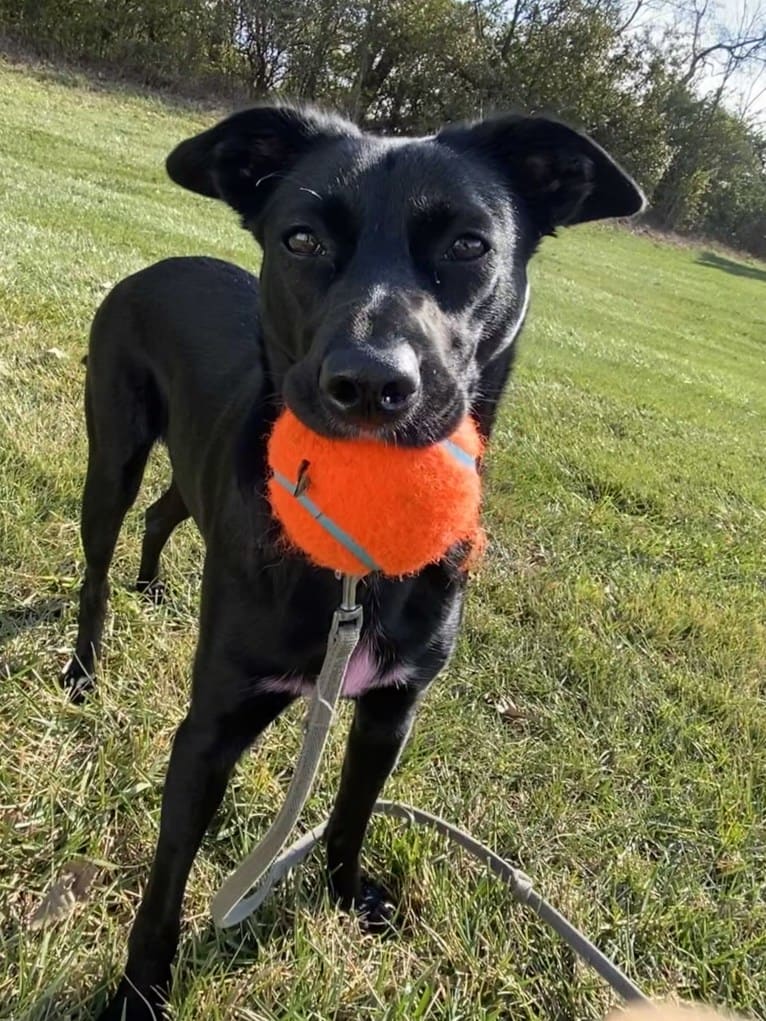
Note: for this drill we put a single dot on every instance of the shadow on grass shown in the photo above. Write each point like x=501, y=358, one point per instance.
x=27, y=615
x=738, y=269
x=209, y=953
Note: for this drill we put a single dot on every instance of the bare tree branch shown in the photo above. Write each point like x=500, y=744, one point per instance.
x=740, y=52
x=739, y=45
x=751, y=101
x=637, y=8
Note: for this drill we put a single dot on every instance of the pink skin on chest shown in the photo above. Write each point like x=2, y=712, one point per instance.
x=363, y=674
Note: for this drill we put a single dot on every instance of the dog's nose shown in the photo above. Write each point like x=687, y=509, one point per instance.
x=368, y=386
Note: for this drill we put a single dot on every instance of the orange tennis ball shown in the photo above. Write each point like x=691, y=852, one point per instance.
x=361, y=505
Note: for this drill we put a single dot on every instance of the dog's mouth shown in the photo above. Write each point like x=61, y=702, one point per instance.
x=431, y=420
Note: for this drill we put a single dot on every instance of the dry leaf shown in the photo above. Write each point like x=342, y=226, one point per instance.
x=59, y=901
x=508, y=709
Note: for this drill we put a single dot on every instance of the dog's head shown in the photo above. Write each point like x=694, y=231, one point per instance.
x=394, y=269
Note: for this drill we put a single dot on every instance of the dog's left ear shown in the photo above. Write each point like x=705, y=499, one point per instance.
x=563, y=176
x=241, y=159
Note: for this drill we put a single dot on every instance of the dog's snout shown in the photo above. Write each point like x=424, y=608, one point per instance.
x=370, y=387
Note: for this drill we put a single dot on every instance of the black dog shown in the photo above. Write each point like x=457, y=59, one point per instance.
x=392, y=287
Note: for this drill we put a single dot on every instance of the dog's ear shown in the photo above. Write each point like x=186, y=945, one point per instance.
x=241, y=159
x=563, y=176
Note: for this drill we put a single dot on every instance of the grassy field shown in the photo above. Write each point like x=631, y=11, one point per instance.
x=622, y=611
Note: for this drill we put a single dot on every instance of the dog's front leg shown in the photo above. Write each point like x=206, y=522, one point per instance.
x=205, y=750
x=382, y=723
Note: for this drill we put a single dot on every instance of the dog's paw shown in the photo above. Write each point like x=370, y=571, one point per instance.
x=375, y=908
x=120, y=1009
x=77, y=680
x=154, y=591
x=129, y=1004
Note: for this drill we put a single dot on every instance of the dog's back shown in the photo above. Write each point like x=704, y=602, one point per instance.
x=169, y=347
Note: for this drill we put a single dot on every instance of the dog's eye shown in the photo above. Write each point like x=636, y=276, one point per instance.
x=466, y=248
x=303, y=242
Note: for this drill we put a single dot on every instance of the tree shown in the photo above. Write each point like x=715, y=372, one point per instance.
x=658, y=82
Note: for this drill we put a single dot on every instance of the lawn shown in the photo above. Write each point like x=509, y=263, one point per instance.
x=621, y=612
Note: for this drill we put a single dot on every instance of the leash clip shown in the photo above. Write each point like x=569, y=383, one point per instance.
x=349, y=603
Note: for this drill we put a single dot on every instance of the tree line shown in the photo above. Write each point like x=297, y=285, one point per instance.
x=655, y=81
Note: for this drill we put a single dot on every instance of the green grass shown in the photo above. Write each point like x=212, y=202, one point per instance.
x=622, y=608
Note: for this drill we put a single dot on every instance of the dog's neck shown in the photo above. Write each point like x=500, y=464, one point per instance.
x=497, y=368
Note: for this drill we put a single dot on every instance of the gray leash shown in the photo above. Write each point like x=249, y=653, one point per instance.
x=268, y=862
x=230, y=905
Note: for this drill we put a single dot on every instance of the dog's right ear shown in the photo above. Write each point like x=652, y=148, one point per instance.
x=241, y=159
x=562, y=176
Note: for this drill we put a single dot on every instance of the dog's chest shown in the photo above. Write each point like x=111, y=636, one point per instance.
x=364, y=673
x=409, y=631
